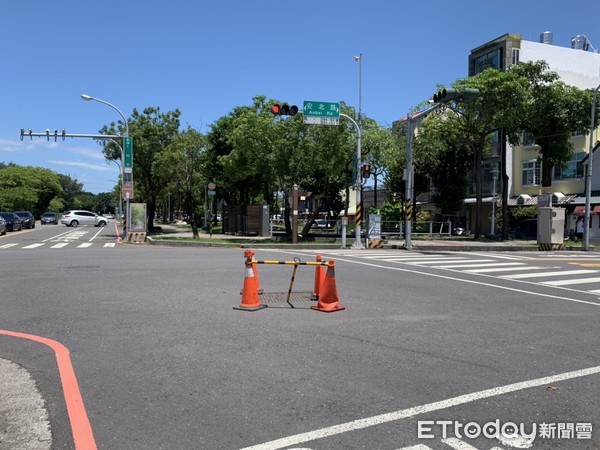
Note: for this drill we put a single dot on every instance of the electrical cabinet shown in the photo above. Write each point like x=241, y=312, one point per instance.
x=551, y=226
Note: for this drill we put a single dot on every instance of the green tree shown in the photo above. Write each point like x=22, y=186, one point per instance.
x=500, y=105
x=441, y=153
x=555, y=110
x=152, y=132
x=185, y=162
x=28, y=188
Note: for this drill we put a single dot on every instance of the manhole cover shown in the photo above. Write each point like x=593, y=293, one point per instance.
x=269, y=298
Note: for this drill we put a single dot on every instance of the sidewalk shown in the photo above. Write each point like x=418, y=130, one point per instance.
x=418, y=244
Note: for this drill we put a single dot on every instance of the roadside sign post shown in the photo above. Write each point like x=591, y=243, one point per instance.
x=328, y=113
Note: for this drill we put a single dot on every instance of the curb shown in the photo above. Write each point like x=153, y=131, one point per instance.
x=416, y=247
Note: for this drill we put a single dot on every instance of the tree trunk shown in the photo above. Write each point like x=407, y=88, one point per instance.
x=478, y=192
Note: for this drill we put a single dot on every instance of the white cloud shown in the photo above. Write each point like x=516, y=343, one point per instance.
x=83, y=164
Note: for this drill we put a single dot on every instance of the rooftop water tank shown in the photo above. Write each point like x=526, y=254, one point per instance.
x=580, y=42
x=546, y=37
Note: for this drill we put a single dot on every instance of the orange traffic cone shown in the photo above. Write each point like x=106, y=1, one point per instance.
x=250, y=254
x=256, y=280
x=328, y=296
x=319, y=277
x=250, y=292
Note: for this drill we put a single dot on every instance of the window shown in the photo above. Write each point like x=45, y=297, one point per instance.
x=491, y=59
x=531, y=173
x=528, y=139
x=515, y=56
x=571, y=169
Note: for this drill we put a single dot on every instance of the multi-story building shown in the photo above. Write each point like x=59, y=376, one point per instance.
x=577, y=66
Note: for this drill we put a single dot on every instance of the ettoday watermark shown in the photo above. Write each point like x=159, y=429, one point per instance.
x=429, y=429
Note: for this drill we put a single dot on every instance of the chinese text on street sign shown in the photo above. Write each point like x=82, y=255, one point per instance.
x=127, y=154
x=321, y=113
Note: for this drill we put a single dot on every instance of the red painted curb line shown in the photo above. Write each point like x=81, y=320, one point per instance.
x=81, y=429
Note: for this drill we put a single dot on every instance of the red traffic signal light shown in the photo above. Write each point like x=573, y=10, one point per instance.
x=366, y=170
x=284, y=110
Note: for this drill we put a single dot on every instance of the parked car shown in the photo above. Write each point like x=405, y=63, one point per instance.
x=78, y=217
x=13, y=222
x=27, y=219
x=527, y=229
x=49, y=217
x=2, y=226
x=321, y=223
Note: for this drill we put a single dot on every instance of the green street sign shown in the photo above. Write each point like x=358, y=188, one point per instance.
x=321, y=109
x=128, y=153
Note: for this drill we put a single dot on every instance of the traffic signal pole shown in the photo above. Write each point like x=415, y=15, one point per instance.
x=410, y=171
x=358, y=184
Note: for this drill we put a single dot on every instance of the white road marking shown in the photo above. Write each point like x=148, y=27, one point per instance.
x=29, y=247
x=84, y=245
x=360, y=424
x=416, y=447
x=60, y=245
x=109, y=244
x=460, y=280
x=8, y=245
x=520, y=276
x=457, y=444
x=451, y=261
x=503, y=269
x=569, y=282
x=466, y=266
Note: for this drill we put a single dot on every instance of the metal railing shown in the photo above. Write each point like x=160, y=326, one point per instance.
x=389, y=229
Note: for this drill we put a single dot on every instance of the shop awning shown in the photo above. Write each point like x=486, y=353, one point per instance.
x=580, y=210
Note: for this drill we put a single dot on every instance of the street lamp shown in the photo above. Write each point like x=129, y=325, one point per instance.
x=588, y=180
x=358, y=59
x=87, y=98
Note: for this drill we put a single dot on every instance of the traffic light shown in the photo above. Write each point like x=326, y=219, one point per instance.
x=449, y=95
x=284, y=110
x=367, y=169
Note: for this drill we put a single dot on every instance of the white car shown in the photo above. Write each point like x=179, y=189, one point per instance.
x=75, y=218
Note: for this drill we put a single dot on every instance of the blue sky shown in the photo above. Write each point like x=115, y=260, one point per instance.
x=205, y=58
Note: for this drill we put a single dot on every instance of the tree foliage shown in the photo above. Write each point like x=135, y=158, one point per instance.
x=554, y=111
x=152, y=132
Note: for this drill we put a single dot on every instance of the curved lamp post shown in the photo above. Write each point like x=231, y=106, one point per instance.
x=87, y=98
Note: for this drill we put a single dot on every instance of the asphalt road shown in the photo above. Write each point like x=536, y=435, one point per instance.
x=163, y=360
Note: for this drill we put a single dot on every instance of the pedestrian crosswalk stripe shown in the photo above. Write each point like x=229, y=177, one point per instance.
x=8, y=245
x=503, y=269
x=569, y=282
x=84, y=245
x=520, y=276
x=109, y=244
x=60, y=245
x=29, y=247
x=467, y=266
x=458, y=260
